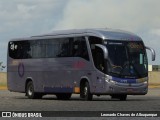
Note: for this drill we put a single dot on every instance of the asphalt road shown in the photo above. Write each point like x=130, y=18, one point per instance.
x=10, y=101
x=19, y=102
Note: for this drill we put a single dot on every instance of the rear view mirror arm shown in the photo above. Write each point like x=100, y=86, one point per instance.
x=152, y=52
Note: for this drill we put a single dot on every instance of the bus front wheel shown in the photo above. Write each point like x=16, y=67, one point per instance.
x=85, y=92
x=30, y=91
x=123, y=97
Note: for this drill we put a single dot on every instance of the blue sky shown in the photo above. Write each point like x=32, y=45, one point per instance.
x=22, y=18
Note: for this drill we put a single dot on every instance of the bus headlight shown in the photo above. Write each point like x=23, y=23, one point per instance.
x=145, y=82
x=113, y=82
x=142, y=80
x=109, y=79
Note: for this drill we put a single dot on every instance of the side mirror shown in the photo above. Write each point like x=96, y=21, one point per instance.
x=152, y=52
x=105, y=51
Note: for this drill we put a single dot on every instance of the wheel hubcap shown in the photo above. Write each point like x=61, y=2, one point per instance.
x=85, y=90
x=30, y=91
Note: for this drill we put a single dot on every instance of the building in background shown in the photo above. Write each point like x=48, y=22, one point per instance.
x=153, y=67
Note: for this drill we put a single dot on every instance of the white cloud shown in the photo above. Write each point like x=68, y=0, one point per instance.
x=29, y=15
x=155, y=32
x=131, y=15
x=26, y=11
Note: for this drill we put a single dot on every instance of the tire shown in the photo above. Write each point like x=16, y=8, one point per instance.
x=63, y=96
x=123, y=97
x=30, y=91
x=120, y=97
x=85, y=92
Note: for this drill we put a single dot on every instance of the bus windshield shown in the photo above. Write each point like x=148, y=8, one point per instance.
x=127, y=59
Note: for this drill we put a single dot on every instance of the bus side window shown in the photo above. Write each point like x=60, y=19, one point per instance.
x=53, y=48
x=13, y=49
x=80, y=48
x=96, y=55
x=59, y=47
x=92, y=41
x=99, y=59
x=66, y=47
x=20, y=50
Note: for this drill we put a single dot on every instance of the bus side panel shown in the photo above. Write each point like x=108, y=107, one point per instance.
x=98, y=82
x=57, y=75
x=19, y=71
x=34, y=70
x=15, y=80
x=82, y=69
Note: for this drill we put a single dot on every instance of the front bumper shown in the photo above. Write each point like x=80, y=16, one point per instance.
x=129, y=87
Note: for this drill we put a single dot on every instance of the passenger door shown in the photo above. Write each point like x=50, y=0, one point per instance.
x=99, y=63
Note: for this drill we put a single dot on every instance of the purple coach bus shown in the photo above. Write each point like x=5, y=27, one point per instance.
x=86, y=62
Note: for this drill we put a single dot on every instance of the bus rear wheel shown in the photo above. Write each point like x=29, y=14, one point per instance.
x=30, y=91
x=63, y=96
x=85, y=92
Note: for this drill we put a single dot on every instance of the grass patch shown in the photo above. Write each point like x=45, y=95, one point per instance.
x=3, y=88
x=3, y=85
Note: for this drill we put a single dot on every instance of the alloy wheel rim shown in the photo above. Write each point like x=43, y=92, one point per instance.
x=85, y=90
x=30, y=91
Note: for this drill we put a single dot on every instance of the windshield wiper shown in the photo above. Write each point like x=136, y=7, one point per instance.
x=123, y=68
x=139, y=75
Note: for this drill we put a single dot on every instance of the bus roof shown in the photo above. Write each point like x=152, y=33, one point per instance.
x=112, y=34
